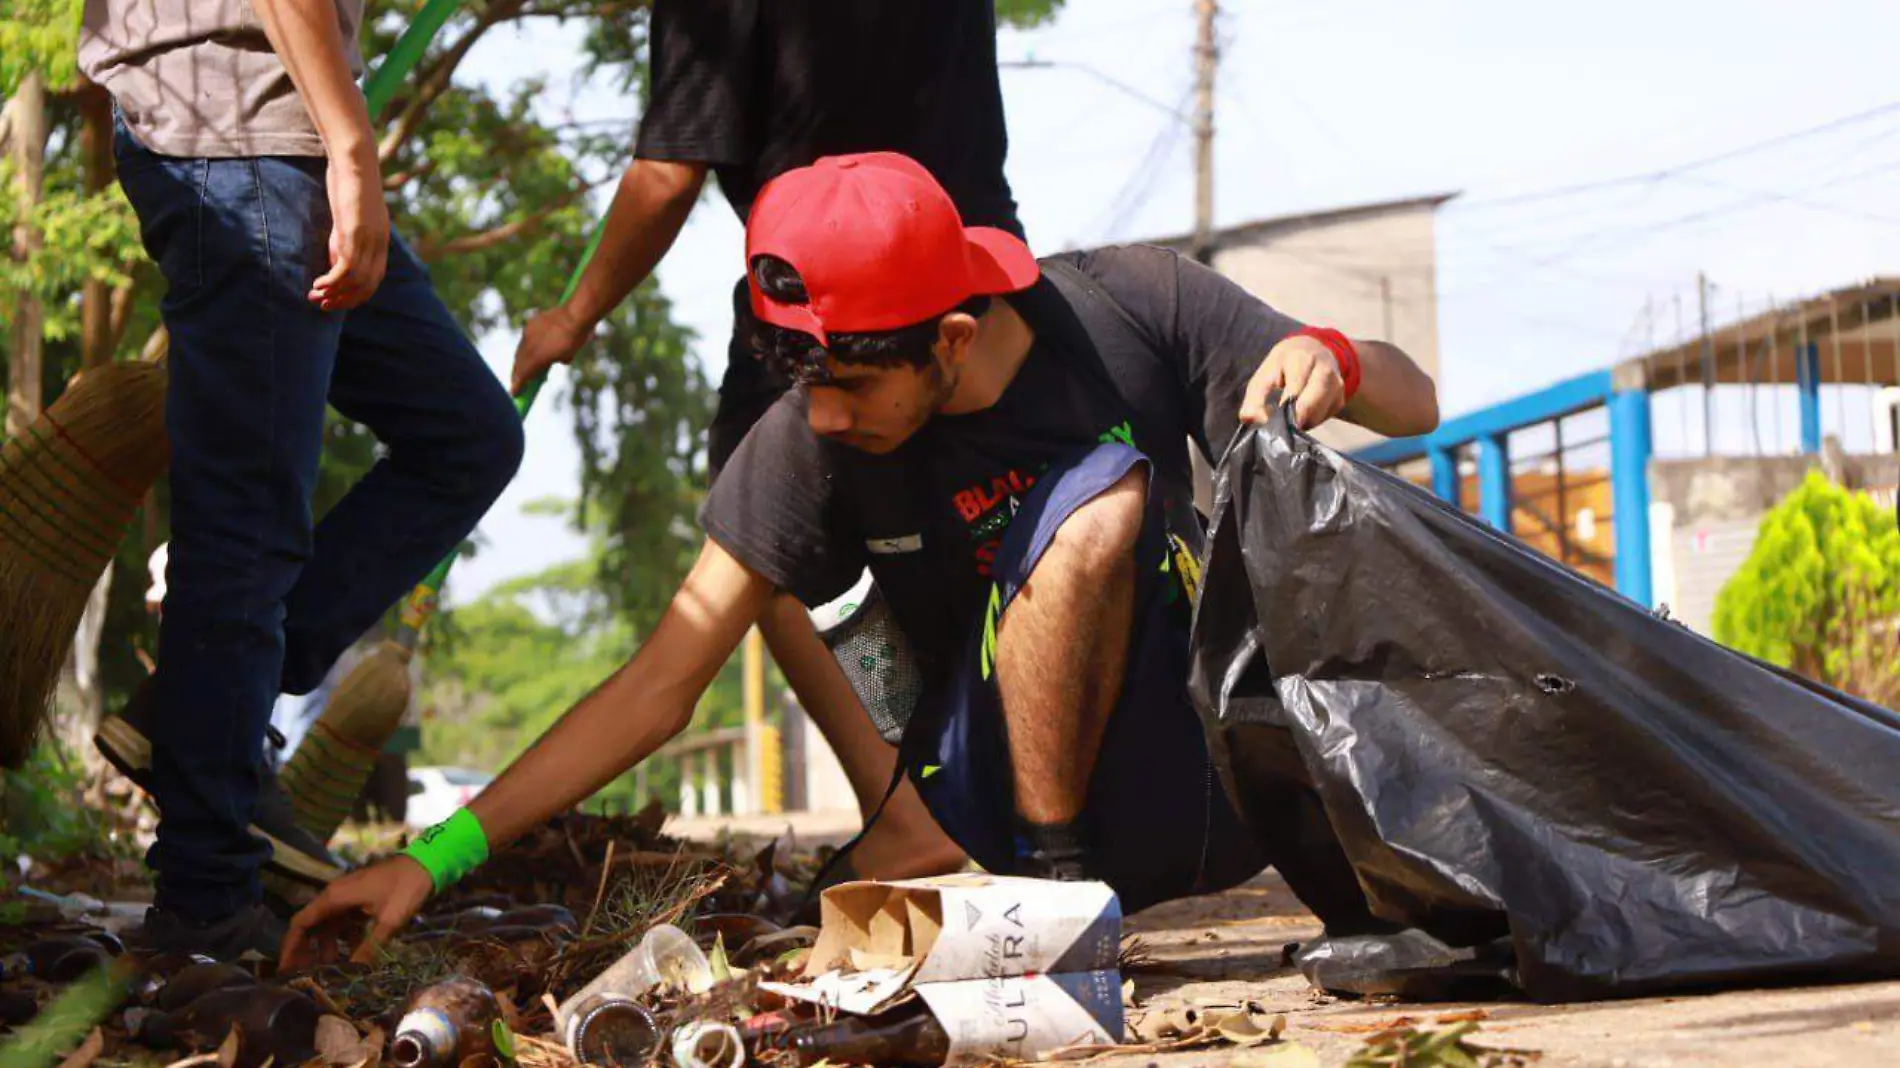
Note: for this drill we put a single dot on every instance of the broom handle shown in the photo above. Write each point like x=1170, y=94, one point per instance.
x=382, y=82
x=419, y=607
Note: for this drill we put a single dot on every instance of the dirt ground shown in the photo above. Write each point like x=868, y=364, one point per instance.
x=1227, y=949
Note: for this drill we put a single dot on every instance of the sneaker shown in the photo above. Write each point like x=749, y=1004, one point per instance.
x=250, y=930
x=296, y=854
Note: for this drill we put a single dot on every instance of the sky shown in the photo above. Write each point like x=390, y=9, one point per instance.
x=1510, y=105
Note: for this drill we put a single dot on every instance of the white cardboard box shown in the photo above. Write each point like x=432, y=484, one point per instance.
x=1013, y=968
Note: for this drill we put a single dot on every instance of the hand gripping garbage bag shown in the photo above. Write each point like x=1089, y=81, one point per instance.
x=1529, y=776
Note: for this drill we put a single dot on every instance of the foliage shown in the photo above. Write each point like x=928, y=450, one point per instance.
x=38, y=35
x=1818, y=594
x=525, y=653
x=498, y=198
x=42, y=811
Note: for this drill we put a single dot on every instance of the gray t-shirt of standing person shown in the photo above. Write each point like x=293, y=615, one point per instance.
x=199, y=78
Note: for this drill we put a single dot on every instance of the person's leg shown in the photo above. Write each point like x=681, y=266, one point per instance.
x=905, y=842
x=239, y=242
x=1060, y=650
x=1072, y=704
x=453, y=441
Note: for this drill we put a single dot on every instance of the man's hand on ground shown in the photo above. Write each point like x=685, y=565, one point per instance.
x=550, y=337
x=1305, y=372
x=389, y=893
x=359, y=233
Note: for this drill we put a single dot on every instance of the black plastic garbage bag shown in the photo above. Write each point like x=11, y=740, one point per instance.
x=1419, y=714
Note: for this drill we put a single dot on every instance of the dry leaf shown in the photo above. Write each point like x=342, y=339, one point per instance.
x=304, y=984
x=372, y=1048
x=1278, y=1055
x=1397, y=1023
x=1167, y=1024
x=1128, y=994
x=194, y=1060
x=87, y=1052
x=1468, y=1016
x=511, y=1015
x=337, y=1041
x=1248, y=1027
x=228, y=1051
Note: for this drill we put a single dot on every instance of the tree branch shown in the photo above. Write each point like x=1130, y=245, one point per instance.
x=438, y=73
x=429, y=252
x=402, y=178
x=121, y=315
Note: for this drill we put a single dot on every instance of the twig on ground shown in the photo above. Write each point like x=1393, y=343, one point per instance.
x=87, y=1052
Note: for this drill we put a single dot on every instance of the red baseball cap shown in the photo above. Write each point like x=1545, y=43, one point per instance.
x=879, y=245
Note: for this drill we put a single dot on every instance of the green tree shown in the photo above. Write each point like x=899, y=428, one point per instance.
x=527, y=651
x=1818, y=593
x=495, y=197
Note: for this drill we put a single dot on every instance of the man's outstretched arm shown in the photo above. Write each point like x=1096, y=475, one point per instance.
x=624, y=721
x=650, y=206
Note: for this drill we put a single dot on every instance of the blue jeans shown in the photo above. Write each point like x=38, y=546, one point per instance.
x=257, y=600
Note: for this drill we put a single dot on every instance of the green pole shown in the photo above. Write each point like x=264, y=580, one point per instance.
x=382, y=82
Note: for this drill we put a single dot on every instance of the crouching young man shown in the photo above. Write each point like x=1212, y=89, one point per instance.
x=1004, y=444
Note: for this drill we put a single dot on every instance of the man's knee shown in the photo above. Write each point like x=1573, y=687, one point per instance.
x=494, y=445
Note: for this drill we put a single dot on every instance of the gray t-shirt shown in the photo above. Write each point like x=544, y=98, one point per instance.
x=199, y=78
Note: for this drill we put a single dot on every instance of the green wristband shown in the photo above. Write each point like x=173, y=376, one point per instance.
x=450, y=849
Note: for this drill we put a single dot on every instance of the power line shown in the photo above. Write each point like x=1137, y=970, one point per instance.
x=1110, y=80
x=1645, y=177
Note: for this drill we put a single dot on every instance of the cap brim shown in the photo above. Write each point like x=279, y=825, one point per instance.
x=999, y=262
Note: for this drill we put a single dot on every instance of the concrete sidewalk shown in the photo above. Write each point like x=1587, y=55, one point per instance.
x=1228, y=949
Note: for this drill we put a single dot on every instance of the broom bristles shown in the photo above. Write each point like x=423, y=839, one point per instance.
x=327, y=772
x=69, y=486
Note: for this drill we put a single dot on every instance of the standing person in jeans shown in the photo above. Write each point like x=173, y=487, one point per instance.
x=244, y=145
x=747, y=90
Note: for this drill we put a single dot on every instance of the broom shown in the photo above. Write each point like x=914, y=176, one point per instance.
x=70, y=485
x=338, y=753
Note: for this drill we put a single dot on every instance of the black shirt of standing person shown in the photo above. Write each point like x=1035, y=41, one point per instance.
x=754, y=88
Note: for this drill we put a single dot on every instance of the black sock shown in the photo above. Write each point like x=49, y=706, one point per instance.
x=1050, y=851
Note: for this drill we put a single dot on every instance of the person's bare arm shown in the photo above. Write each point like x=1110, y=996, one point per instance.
x=624, y=721
x=638, y=709
x=1396, y=397
x=308, y=41
x=650, y=206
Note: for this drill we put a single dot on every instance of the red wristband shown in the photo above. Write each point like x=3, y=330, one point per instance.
x=1341, y=348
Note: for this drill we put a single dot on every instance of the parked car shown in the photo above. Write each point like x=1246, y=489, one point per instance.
x=435, y=793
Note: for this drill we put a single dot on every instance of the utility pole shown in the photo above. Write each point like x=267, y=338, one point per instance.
x=1205, y=60
x=1708, y=366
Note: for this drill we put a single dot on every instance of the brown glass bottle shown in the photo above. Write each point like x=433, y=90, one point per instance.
x=193, y=982
x=737, y=928
x=544, y=916
x=468, y=919
x=17, y=1008
x=914, y=1040
x=445, y=1024
x=59, y=959
x=609, y=1029
x=274, y=1024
